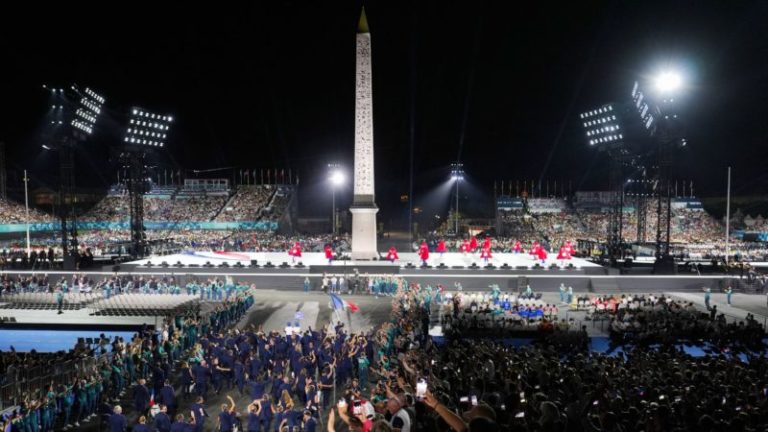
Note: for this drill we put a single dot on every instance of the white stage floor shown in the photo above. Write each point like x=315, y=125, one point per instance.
x=318, y=259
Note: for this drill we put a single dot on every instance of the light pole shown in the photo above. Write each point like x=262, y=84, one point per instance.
x=457, y=175
x=26, y=206
x=336, y=177
x=669, y=84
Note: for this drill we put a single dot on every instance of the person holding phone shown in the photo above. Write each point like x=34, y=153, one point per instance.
x=400, y=419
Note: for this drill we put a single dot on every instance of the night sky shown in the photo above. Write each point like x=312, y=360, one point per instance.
x=271, y=84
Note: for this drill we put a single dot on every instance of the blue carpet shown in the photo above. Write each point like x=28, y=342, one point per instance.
x=50, y=340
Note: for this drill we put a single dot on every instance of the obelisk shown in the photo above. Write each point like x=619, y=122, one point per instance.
x=363, y=204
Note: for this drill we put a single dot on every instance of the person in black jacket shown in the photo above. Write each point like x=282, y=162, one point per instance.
x=141, y=397
x=162, y=420
x=117, y=421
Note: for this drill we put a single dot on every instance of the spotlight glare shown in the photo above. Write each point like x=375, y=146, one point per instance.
x=668, y=82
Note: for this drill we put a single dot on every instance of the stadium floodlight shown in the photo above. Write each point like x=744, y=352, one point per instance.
x=457, y=171
x=668, y=81
x=602, y=126
x=146, y=128
x=337, y=178
x=457, y=175
x=657, y=108
x=87, y=111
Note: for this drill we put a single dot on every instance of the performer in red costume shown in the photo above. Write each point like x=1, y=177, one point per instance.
x=569, y=245
x=486, y=244
x=534, y=251
x=464, y=246
x=564, y=254
x=473, y=244
x=328, y=253
x=392, y=254
x=424, y=253
x=541, y=253
x=441, y=247
x=295, y=251
x=518, y=247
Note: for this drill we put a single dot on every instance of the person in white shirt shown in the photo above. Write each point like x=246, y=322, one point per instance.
x=400, y=420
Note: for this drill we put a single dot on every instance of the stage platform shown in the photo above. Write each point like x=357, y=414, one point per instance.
x=451, y=260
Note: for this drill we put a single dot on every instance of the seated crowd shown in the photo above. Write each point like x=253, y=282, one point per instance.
x=15, y=213
x=246, y=204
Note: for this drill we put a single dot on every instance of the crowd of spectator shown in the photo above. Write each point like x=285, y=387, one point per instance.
x=482, y=385
x=695, y=234
x=207, y=289
x=196, y=208
x=247, y=204
x=498, y=313
x=14, y=213
x=646, y=320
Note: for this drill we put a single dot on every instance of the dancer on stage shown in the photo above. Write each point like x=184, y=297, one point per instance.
x=328, y=254
x=473, y=244
x=564, y=254
x=485, y=252
x=542, y=255
x=571, y=249
x=295, y=252
x=518, y=248
x=464, y=248
x=441, y=247
x=534, y=251
x=424, y=253
x=392, y=254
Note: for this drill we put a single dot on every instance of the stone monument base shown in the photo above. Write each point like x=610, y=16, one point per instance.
x=364, y=233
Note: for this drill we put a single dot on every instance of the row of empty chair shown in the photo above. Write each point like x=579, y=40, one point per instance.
x=45, y=300
x=142, y=304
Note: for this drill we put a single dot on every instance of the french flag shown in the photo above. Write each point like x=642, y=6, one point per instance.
x=339, y=303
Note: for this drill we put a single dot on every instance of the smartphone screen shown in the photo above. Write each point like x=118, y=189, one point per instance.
x=520, y=415
x=421, y=389
x=474, y=400
x=464, y=399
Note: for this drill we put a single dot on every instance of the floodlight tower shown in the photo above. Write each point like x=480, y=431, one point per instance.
x=336, y=178
x=605, y=131
x=146, y=132
x=658, y=108
x=457, y=175
x=74, y=116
